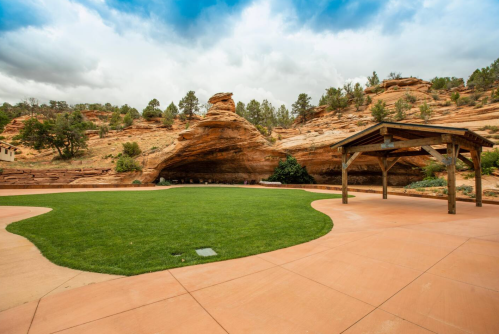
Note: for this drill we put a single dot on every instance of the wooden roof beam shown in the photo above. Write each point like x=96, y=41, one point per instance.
x=395, y=145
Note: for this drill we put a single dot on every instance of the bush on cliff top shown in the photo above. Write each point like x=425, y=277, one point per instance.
x=290, y=172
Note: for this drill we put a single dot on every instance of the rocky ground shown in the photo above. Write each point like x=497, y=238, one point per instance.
x=223, y=147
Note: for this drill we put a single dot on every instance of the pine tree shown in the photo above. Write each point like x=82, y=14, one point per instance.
x=254, y=112
x=171, y=110
x=189, y=105
x=241, y=109
x=358, y=96
x=336, y=99
x=268, y=114
x=302, y=107
x=283, y=117
x=373, y=81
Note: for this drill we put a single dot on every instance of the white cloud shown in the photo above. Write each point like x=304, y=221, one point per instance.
x=81, y=58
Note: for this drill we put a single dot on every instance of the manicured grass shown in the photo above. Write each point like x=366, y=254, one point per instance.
x=133, y=232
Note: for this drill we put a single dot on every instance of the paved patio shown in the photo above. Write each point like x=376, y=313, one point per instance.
x=401, y=265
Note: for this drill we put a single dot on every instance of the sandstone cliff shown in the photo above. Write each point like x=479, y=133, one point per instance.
x=223, y=147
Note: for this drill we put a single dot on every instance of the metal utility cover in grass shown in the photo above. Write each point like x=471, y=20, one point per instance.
x=205, y=252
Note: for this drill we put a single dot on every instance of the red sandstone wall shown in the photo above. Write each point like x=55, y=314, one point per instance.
x=49, y=176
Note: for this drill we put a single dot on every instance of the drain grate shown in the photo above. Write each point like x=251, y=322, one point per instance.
x=206, y=252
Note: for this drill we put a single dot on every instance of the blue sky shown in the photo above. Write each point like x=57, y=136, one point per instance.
x=135, y=50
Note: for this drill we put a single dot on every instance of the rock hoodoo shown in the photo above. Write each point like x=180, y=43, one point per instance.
x=222, y=102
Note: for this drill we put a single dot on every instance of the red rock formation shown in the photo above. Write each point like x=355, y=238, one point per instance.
x=221, y=147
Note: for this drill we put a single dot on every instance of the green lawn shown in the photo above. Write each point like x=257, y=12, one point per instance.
x=133, y=232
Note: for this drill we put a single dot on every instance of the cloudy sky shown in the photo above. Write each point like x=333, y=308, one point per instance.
x=130, y=51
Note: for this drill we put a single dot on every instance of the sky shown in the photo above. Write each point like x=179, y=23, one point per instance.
x=131, y=51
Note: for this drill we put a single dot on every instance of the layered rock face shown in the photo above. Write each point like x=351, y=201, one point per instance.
x=221, y=147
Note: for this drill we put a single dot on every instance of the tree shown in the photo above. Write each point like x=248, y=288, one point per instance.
x=445, y=83
x=189, y=105
x=205, y=108
x=323, y=100
x=401, y=106
x=495, y=69
x=66, y=134
x=290, y=172
x=455, y=96
x=336, y=99
x=171, y=110
x=358, y=96
x=373, y=81
x=254, y=112
x=241, y=109
x=379, y=111
x=394, y=76
x=425, y=112
x=302, y=107
x=481, y=79
x=283, y=117
x=169, y=115
x=268, y=115
x=125, y=109
x=348, y=88
x=4, y=120
x=134, y=113
x=152, y=110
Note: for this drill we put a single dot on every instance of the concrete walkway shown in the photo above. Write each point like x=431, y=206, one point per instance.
x=400, y=265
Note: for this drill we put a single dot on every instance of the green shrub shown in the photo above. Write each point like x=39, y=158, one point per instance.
x=470, y=175
x=490, y=128
x=127, y=164
x=427, y=183
x=425, y=112
x=455, y=96
x=401, y=106
x=115, y=119
x=494, y=97
x=128, y=120
x=103, y=131
x=163, y=183
x=369, y=100
x=263, y=130
x=289, y=171
x=462, y=101
x=137, y=182
x=475, y=96
x=15, y=143
x=447, y=103
x=379, y=111
x=410, y=98
x=490, y=161
x=435, y=97
x=131, y=149
x=431, y=168
x=1, y=170
x=465, y=189
x=2, y=137
x=445, y=83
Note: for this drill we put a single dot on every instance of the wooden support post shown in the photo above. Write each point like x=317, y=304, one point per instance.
x=385, y=177
x=451, y=178
x=477, y=164
x=344, y=177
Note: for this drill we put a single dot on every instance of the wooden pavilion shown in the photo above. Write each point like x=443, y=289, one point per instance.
x=388, y=142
